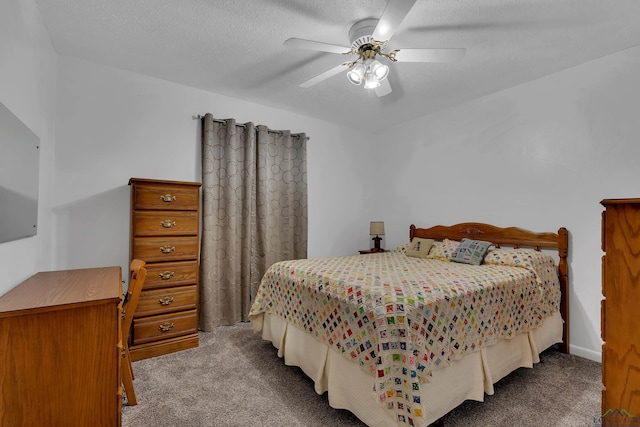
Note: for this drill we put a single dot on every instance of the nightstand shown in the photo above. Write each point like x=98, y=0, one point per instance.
x=371, y=251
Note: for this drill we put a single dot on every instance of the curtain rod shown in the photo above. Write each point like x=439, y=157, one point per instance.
x=222, y=121
x=199, y=117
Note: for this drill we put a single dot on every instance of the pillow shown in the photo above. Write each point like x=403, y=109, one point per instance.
x=471, y=251
x=525, y=258
x=443, y=250
x=419, y=248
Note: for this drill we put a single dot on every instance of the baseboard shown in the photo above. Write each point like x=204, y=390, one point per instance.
x=596, y=356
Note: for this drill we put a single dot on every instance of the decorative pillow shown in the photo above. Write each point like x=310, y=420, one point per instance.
x=419, y=248
x=471, y=251
x=443, y=250
x=525, y=258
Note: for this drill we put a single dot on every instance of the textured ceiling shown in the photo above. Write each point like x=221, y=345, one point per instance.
x=234, y=47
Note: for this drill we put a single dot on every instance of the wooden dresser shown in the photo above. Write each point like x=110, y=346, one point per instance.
x=60, y=349
x=165, y=233
x=620, y=310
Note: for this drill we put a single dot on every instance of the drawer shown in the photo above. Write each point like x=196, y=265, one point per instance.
x=161, y=301
x=155, y=249
x=154, y=328
x=165, y=223
x=166, y=197
x=170, y=274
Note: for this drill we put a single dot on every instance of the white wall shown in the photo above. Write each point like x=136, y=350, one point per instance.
x=28, y=69
x=540, y=156
x=113, y=125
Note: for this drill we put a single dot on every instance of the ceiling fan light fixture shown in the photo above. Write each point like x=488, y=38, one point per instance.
x=356, y=74
x=369, y=39
x=379, y=70
x=371, y=83
x=375, y=73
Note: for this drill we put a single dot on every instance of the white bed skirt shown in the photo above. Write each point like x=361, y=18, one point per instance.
x=349, y=387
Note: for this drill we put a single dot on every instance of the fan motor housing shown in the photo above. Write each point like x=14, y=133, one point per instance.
x=360, y=33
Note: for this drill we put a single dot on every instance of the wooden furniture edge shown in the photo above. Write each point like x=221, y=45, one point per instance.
x=163, y=182
x=49, y=293
x=632, y=201
x=172, y=345
x=516, y=237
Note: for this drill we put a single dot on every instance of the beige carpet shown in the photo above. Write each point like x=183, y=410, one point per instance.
x=236, y=379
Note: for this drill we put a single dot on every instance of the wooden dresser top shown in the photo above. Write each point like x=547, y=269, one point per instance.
x=49, y=290
x=606, y=202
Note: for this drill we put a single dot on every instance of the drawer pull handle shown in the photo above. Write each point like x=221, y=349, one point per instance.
x=168, y=198
x=167, y=223
x=166, y=327
x=166, y=275
x=167, y=249
x=165, y=301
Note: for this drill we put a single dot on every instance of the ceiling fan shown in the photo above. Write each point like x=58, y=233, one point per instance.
x=369, y=39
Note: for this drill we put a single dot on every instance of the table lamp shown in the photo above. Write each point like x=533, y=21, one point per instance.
x=377, y=228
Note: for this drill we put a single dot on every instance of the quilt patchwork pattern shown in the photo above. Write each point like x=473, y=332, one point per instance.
x=539, y=263
x=400, y=318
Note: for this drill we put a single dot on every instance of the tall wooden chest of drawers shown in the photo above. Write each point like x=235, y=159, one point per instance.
x=165, y=234
x=620, y=307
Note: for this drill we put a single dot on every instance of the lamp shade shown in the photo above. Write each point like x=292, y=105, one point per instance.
x=376, y=227
x=356, y=74
x=379, y=70
x=370, y=82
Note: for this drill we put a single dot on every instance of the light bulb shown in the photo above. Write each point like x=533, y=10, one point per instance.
x=370, y=82
x=356, y=74
x=379, y=70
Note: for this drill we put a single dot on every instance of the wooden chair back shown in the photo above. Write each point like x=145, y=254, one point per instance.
x=129, y=304
x=138, y=275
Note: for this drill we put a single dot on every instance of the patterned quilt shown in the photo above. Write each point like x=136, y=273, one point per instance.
x=401, y=317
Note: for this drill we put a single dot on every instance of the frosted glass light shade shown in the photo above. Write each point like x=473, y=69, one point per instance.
x=370, y=83
x=356, y=74
x=379, y=70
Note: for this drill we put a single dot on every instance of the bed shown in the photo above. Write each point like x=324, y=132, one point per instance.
x=403, y=337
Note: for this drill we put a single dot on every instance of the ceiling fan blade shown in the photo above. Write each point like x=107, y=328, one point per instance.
x=391, y=18
x=313, y=45
x=383, y=89
x=430, y=55
x=324, y=76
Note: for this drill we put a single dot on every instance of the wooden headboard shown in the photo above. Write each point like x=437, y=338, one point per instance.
x=514, y=237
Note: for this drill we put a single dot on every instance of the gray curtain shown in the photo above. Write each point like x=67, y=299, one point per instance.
x=254, y=213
